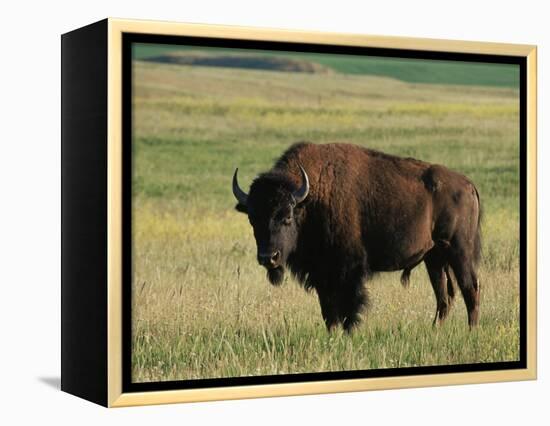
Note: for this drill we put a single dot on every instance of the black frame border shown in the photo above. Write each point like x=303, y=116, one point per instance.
x=129, y=38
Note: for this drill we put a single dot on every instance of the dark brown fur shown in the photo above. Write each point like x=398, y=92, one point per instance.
x=368, y=212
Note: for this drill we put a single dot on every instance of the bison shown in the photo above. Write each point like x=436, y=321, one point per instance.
x=335, y=214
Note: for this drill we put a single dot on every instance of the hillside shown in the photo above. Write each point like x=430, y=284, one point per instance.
x=407, y=70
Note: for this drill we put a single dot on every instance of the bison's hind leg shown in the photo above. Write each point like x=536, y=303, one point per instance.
x=437, y=267
x=450, y=284
x=468, y=283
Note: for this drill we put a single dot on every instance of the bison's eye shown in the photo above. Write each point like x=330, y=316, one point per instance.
x=284, y=217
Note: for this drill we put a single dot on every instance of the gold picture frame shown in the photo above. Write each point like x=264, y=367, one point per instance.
x=107, y=358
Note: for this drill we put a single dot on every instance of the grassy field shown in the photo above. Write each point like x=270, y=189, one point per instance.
x=202, y=307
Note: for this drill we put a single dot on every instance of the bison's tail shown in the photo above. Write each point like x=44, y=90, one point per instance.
x=477, y=237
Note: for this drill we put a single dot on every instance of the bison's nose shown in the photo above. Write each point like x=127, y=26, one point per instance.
x=269, y=260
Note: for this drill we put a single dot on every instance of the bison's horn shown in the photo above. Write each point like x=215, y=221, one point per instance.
x=240, y=195
x=301, y=194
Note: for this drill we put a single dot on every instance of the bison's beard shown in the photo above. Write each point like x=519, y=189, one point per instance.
x=276, y=275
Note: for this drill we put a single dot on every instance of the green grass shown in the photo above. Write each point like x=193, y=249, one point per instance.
x=408, y=70
x=202, y=307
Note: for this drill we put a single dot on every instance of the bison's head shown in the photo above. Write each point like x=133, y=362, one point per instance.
x=273, y=208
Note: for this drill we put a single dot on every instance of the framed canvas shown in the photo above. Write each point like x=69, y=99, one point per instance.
x=255, y=212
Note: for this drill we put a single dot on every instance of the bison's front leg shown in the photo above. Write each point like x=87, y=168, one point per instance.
x=352, y=302
x=329, y=310
x=343, y=303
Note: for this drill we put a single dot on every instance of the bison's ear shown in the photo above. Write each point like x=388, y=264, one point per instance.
x=240, y=208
